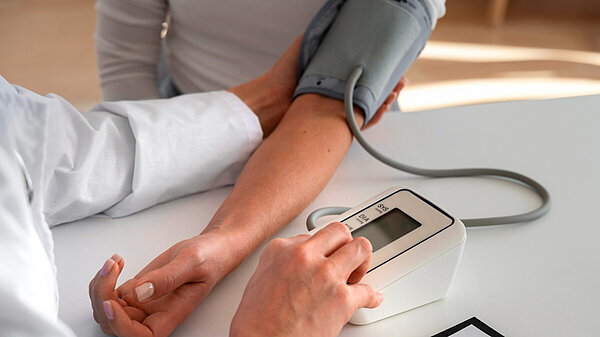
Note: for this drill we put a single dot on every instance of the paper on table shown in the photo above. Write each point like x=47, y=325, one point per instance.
x=470, y=331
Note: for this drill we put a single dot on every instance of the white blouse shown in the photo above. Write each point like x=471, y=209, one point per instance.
x=210, y=45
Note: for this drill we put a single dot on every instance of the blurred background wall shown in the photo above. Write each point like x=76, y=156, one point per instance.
x=481, y=51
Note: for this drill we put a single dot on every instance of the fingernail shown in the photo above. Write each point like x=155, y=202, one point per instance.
x=108, y=310
x=144, y=291
x=106, y=267
x=116, y=258
x=380, y=297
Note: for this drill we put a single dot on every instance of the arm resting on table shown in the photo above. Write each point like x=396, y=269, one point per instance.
x=289, y=169
x=126, y=156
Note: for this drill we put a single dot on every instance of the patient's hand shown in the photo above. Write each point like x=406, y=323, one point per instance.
x=306, y=286
x=387, y=104
x=180, y=278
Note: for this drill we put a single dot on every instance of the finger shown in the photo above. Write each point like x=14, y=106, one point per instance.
x=378, y=115
x=121, y=323
x=382, y=110
x=125, y=291
x=357, y=275
x=103, y=288
x=119, y=260
x=97, y=276
x=170, y=311
x=390, y=99
x=116, y=258
x=159, y=282
x=135, y=313
x=365, y=296
x=107, y=330
x=401, y=84
x=352, y=256
x=107, y=279
x=330, y=238
x=298, y=238
x=103, y=325
x=393, y=96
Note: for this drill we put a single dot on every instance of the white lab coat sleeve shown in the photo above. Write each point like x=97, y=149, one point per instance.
x=27, y=285
x=122, y=157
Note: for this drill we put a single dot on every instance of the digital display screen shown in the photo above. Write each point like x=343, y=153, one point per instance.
x=387, y=228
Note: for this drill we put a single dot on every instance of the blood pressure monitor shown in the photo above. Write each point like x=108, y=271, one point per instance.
x=416, y=249
x=416, y=244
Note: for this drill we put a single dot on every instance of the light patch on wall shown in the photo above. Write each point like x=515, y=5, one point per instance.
x=452, y=93
x=504, y=85
x=469, y=52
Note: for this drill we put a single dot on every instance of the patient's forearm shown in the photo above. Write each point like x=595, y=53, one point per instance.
x=284, y=175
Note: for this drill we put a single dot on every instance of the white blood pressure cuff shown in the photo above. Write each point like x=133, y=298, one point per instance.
x=382, y=36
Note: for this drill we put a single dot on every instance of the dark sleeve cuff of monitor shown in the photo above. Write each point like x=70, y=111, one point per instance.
x=334, y=88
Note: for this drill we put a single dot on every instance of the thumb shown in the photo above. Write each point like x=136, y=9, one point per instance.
x=162, y=281
x=120, y=322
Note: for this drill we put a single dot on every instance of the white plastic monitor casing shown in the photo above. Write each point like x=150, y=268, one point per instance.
x=418, y=267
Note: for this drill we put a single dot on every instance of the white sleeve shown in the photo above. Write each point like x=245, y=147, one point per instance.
x=123, y=157
x=27, y=284
x=128, y=47
x=437, y=8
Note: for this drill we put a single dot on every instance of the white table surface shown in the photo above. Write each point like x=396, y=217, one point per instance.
x=535, y=279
